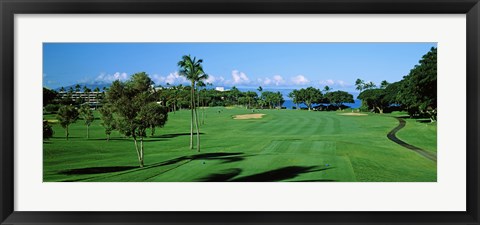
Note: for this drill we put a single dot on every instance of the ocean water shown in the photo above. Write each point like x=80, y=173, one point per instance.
x=289, y=104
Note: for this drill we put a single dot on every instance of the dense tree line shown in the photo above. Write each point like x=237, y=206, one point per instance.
x=416, y=93
x=310, y=96
x=136, y=106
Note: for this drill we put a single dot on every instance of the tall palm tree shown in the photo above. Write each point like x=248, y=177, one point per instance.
x=200, y=84
x=192, y=69
x=260, y=89
x=77, y=88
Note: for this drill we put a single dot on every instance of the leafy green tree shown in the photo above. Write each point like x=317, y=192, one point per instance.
x=337, y=98
x=192, y=69
x=47, y=130
x=295, y=96
x=393, y=92
x=269, y=98
x=419, y=91
x=52, y=108
x=87, y=116
x=153, y=115
x=234, y=94
x=384, y=84
x=67, y=115
x=374, y=99
x=108, y=121
x=310, y=96
x=326, y=89
x=132, y=101
x=278, y=99
x=251, y=97
x=48, y=96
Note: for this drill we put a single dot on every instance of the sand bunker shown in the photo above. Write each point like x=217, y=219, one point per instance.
x=248, y=116
x=353, y=114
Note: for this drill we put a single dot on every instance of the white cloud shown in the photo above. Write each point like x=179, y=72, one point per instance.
x=300, y=80
x=336, y=83
x=327, y=82
x=215, y=80
x=172, y=79
x=157, y=79
x=264, y=81
x=239, y=77
x=278, y=80
x=108, y=78
x=341, y=83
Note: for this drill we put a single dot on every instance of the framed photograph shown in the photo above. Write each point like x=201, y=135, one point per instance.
x=239, y=112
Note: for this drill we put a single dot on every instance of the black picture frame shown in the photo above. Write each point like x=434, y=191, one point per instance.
x=9, y=8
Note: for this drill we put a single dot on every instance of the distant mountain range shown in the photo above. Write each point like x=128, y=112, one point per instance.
x=91, y=86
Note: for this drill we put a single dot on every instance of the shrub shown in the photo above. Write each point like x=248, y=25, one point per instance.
x=47, y=130
x=52, y=108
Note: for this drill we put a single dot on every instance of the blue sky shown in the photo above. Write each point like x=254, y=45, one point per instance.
x=270, y=65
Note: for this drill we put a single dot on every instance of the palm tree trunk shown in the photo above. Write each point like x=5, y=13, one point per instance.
x=141, y=152
x=198, y=103
x=191, y=122
x=196, y=117
x=198, y=131
x=203, y=112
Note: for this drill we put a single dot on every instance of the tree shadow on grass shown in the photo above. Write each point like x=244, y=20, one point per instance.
x=173, y=135
x=222, y=176
x=320, y=180
x=424, y=120
x=222, y=156
x=280, y=174
x=120, y=139
x=65, y=139
x=269, y=176
x=96, y=170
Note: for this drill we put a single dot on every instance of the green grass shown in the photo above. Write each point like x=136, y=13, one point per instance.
x=419, y=134
x=284, y=145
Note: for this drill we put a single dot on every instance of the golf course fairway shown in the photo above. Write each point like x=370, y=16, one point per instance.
x=272, y=145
